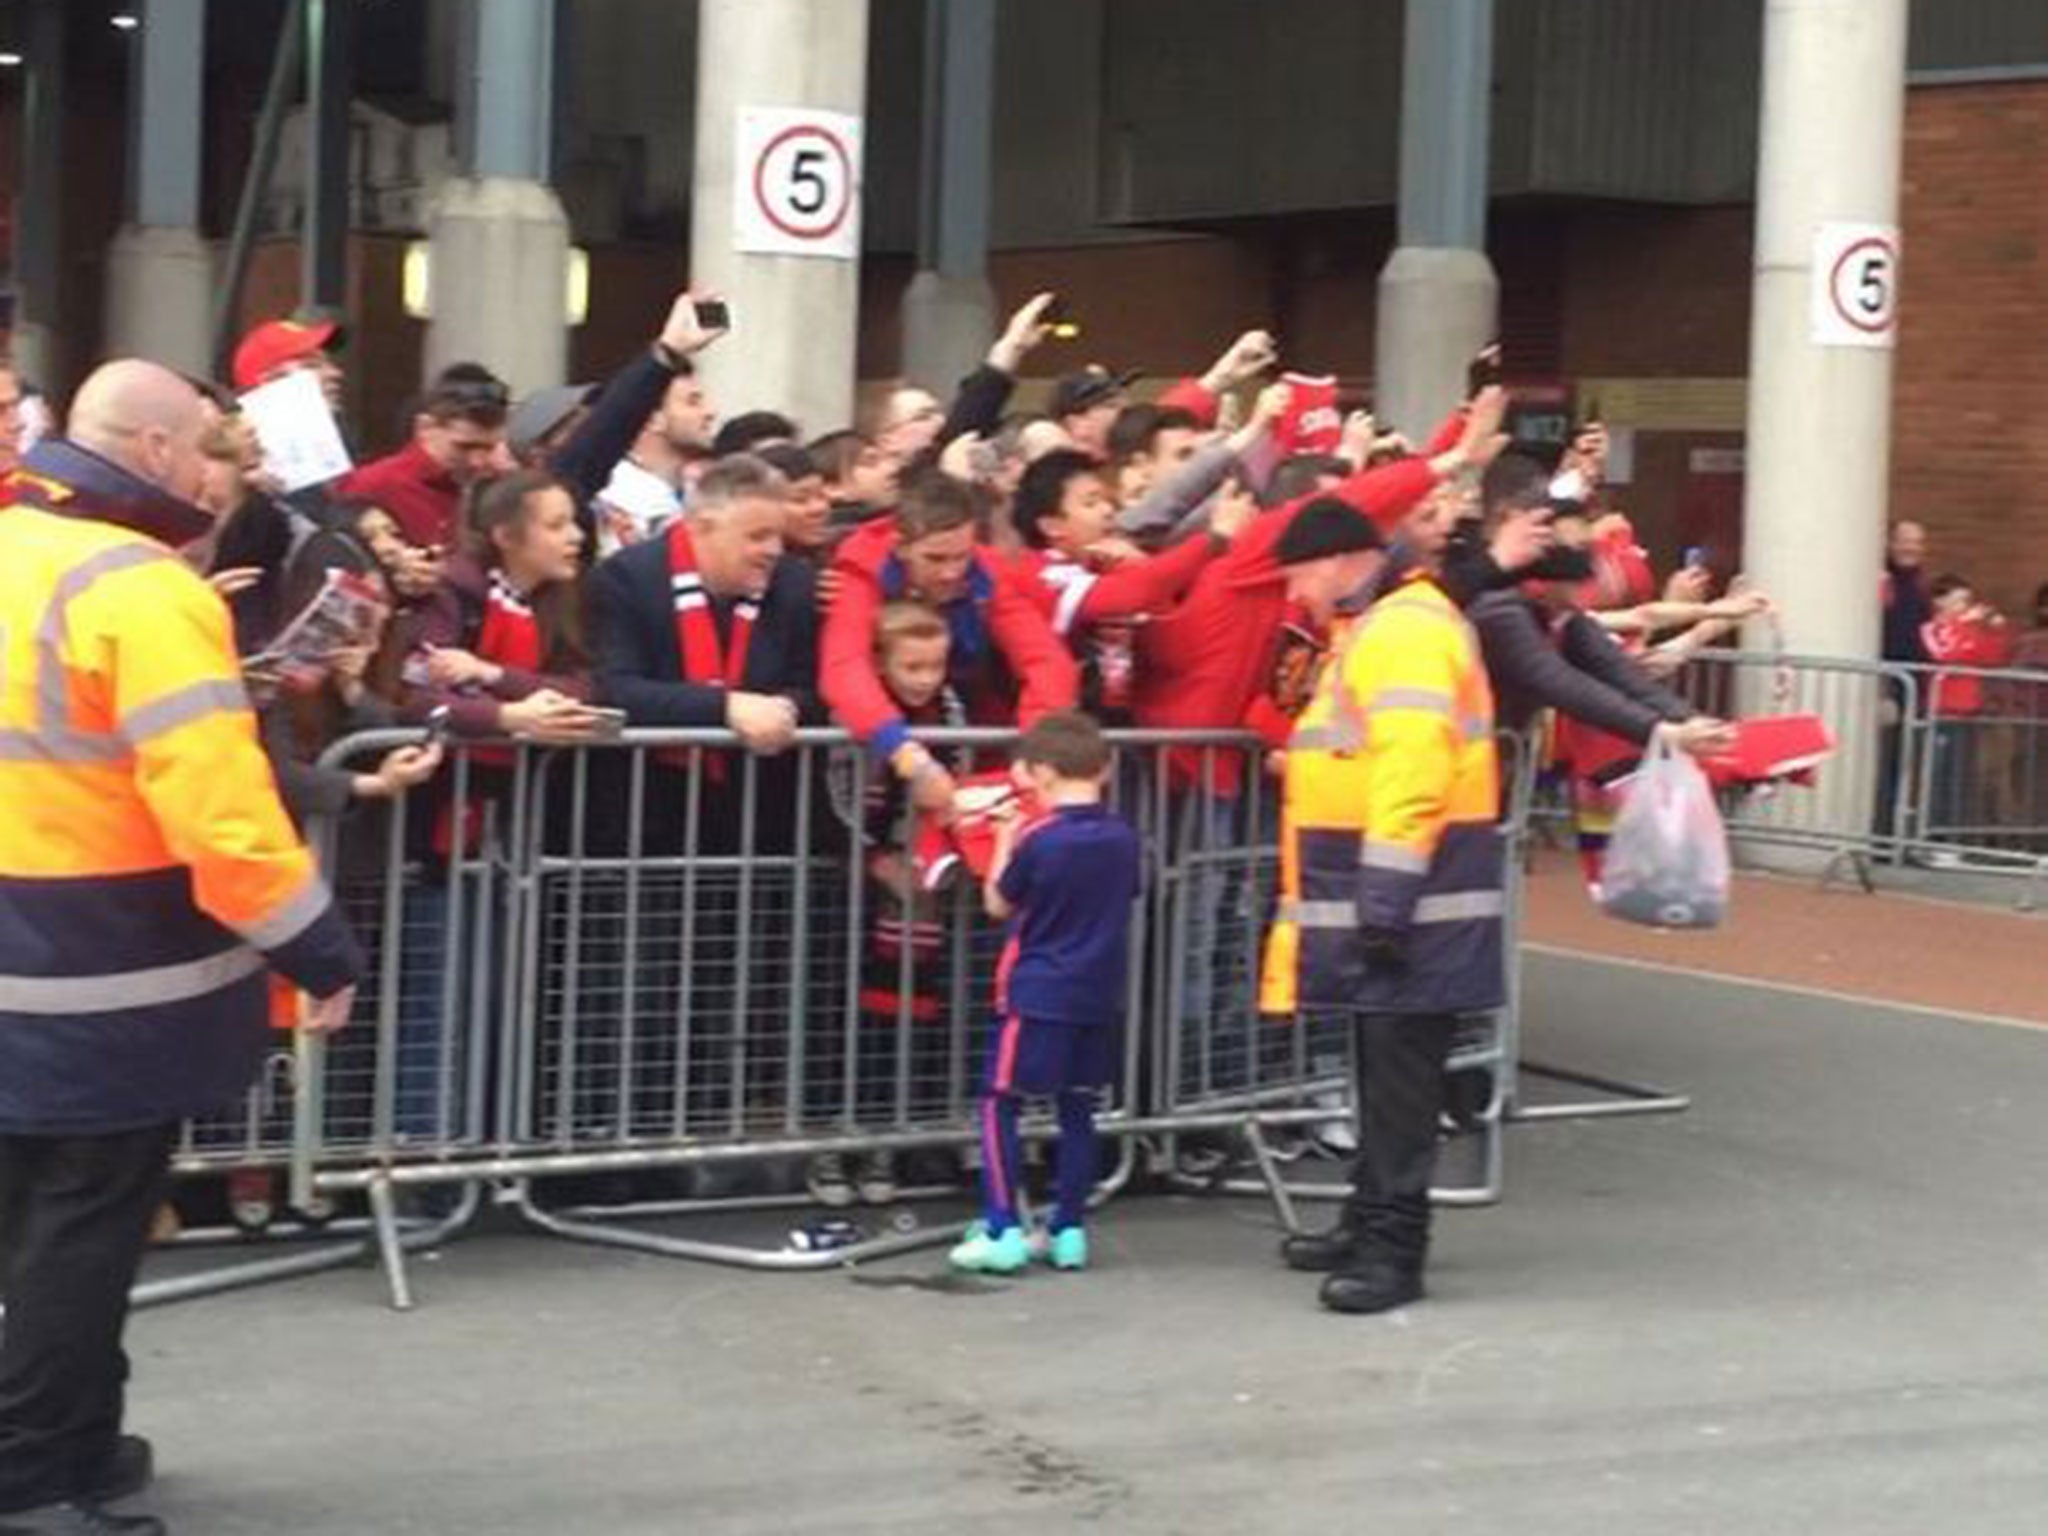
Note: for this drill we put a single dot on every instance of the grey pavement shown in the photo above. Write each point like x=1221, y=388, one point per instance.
x=1813, y=1304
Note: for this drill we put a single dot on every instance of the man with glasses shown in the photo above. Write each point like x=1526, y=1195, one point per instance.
x=458, y=437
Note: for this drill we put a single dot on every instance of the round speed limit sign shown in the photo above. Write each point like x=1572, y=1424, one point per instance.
x=1855, y=285
x=796, y=183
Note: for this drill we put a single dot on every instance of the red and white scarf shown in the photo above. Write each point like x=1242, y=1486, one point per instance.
x=510, y=634
x=705, y=659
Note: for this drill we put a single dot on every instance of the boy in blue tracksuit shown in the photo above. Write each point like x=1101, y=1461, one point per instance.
x=1066, y=883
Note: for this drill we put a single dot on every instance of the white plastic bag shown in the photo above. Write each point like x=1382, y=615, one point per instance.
x=1667, y=858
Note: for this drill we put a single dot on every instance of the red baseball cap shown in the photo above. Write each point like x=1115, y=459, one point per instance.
x=276, y=342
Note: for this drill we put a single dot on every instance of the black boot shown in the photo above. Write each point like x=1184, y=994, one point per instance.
x=79, y=1520
x=1317, y=1253
x=1373, y=1284
x=124, y=1474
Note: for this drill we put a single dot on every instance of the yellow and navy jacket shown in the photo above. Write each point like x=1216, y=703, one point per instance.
x=1388, y=824
x=149, y=876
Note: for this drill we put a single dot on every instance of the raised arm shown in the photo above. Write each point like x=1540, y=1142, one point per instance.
x=629, y=397
x=978, y=403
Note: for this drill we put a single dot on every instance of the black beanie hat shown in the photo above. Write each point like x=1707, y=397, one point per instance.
x=1326, y=526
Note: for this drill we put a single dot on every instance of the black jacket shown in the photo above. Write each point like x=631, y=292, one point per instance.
x=1580, y=672
x=639, y=670
x=586, y=461
x=1906, y=609
x=639, y=665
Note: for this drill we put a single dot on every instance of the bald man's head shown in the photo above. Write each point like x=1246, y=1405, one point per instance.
x=146, y=419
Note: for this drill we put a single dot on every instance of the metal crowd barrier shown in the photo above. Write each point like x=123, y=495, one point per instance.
x=609, y=973
x=1286, y=1074
x=1914, y=779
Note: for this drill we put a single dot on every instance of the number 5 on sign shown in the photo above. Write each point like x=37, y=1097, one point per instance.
x=1855, y=285
x=796, y=183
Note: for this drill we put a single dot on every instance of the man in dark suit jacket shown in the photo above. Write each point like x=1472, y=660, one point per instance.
x=704, y=626
x=707, y=626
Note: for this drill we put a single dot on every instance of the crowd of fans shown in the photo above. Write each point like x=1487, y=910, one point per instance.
x=1989, y=763
x=595, y=557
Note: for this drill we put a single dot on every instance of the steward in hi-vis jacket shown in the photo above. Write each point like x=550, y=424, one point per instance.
x=149, y=882
x=1391, y=882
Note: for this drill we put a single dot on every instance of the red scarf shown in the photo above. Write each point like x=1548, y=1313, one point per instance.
x=510, y=635
x=704, y=658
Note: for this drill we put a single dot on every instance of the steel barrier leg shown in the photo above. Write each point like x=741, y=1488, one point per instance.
x=1269, y=1171
x=235, y=1277
x=1627, y=1098
x=390, y=1247
x=735, y=1254
x=1858, y=862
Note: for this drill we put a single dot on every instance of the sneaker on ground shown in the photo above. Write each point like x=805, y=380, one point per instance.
x=252, y=1203
x=1070, y=1248
x=979, y=1253
x=828, y=1182
x=877, y=1178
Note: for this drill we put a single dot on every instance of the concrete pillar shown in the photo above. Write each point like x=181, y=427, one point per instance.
x=159, y=267
x=1438, y=297
x=795, y=317
x=500, y=238
x=39, y=226
x=1819, y=431
x=949, y=309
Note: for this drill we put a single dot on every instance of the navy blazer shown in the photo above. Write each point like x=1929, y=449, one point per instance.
x=639, y=664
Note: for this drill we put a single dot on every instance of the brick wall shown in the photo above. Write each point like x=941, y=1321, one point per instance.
x=1970, y=448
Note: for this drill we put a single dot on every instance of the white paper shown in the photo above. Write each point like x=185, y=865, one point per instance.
x=302, y=445
x=634, y=505
x=796, y=184
x=1856, y=285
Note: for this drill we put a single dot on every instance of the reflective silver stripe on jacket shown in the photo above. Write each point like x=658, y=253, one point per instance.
x=1392, y=856
x=64, y=746
x=1319, y=914
x=289, y=920
x=182, y=706
x=53, y=740
x=1432, y=701
x=1460, y=907
x=1340, y=737
x=56, y=995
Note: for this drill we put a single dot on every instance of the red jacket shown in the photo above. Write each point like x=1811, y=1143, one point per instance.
x=996, y=627
x=1203, y=664
x=419, y=493
x=1962, y=643
x=1073, y=596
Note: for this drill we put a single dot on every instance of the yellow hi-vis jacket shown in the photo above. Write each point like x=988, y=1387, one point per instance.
x=149, y=876
x=1388, y=823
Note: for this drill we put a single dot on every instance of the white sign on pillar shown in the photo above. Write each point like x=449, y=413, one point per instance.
x=796, y=183
x=1856, y=285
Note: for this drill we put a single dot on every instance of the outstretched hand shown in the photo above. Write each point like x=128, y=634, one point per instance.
x=684, y=332
x=1027, y=329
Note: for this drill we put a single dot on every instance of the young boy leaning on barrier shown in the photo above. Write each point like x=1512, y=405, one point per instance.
x=912, y=646
x=1065, y=882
